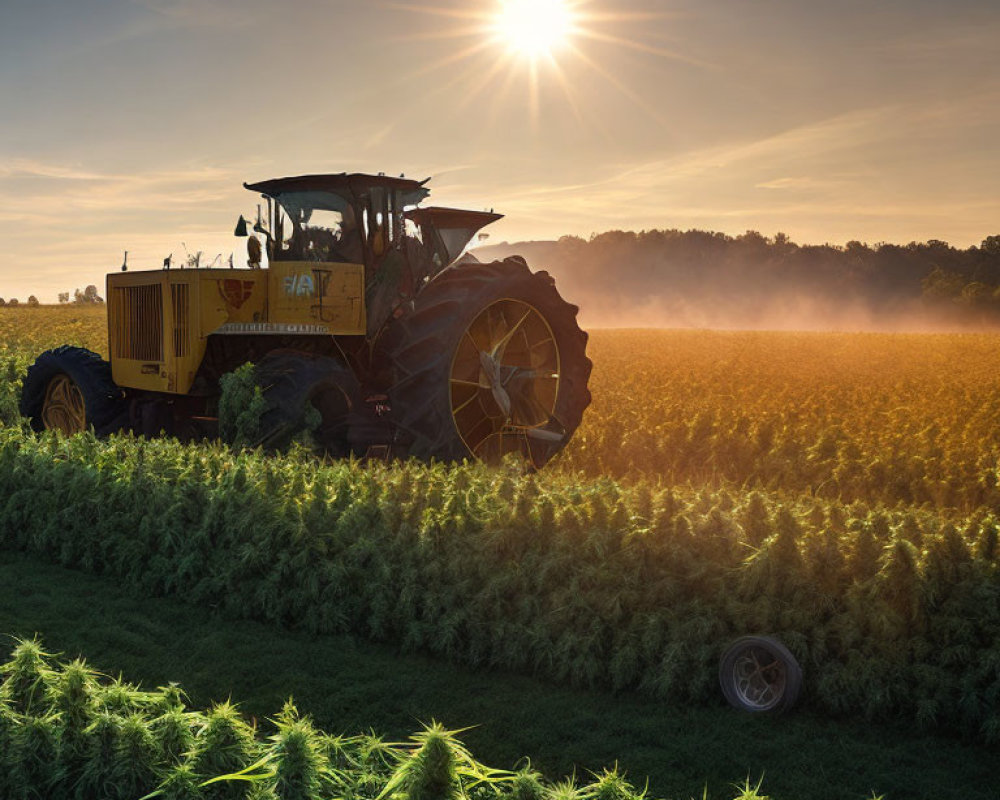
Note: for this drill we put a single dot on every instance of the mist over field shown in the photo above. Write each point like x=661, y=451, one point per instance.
x=699, y=279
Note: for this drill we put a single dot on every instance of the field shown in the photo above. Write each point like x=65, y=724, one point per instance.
x=876, y=418
x=838, y=490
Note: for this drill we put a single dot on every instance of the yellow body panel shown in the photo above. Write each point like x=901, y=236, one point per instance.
x=159, y=321
x=318, y=293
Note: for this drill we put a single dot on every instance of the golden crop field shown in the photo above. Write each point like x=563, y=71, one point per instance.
x=880, y=418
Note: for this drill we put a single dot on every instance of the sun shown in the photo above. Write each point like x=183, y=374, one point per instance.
x=534, y=28
x=551, y=43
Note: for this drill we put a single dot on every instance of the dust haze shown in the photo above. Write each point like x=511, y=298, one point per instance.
x=701, y=279
x=793, y=311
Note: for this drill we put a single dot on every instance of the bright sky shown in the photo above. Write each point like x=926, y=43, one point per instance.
x=131, y=124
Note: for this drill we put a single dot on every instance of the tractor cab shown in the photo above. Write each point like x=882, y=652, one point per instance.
x=337, y=218
x=371, y=221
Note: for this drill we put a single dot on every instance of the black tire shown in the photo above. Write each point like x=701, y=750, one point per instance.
x=292, y=382
x=759, y=674
x=105, y=408
x=418, y=349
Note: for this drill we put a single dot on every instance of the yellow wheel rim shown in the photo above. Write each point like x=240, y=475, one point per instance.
x=505, y=382
x=64, y=409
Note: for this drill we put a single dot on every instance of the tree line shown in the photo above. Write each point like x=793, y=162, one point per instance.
x=692, y=277
x=88, y=296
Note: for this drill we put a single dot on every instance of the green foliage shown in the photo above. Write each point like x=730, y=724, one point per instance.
x=593, y=583
x=12, y=369
x=302, y=770
x=241, y=405
x=25, y=678
x=525, y=784
x=225, y=745
x=439, y=767
x=136, y=755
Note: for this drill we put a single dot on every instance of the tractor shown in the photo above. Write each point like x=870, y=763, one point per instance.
x=367, y=319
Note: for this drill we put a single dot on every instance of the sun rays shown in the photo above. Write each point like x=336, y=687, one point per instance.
x=514, y=50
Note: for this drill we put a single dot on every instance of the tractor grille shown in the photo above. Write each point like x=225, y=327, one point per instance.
x=137, y=322
x=179, y=299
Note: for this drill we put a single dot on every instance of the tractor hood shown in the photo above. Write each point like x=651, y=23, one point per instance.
x=455, y=226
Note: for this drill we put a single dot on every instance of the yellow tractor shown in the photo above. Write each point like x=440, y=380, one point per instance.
x=362, y=311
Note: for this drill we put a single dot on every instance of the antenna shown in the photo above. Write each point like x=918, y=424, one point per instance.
x=192, y=260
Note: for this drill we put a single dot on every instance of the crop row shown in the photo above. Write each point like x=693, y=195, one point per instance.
x=891, y=612
x=880, y=418
x=67, y=731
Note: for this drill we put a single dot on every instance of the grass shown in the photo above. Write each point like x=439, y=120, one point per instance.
x=350, y=686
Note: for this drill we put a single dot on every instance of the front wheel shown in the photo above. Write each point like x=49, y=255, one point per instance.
x=70, y=389
x=308, y=397
x=759, y=674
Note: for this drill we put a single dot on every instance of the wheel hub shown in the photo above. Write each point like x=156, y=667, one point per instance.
x=64, y=408
x=759, y=678
x=505, y=382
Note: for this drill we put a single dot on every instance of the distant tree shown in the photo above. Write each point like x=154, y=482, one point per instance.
x=88, y=296
x=32, y=300
x=2, y=302
x=63, y=297
x=12, y=301
x=754, y=238
x=942, y=284
x=783, y=243
x=991, y=245
x=976, y=295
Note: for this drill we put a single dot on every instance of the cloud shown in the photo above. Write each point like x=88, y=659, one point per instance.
x=24, y=167
x=800, y=183
x=39, y=184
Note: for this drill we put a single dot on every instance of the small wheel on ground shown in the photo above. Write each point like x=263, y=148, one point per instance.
x=306, y=393
x=759, y=674
x=70, y=389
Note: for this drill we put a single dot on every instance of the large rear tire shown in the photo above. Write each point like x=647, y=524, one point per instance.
x=70, y=389
x=489, y=361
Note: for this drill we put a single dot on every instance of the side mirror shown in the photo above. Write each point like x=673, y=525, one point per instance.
x=241, y=227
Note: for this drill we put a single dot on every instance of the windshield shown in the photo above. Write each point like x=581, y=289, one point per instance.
x=317, y=226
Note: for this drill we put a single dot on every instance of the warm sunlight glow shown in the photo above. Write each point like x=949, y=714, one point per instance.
x=534, y=27
x=540, y=45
